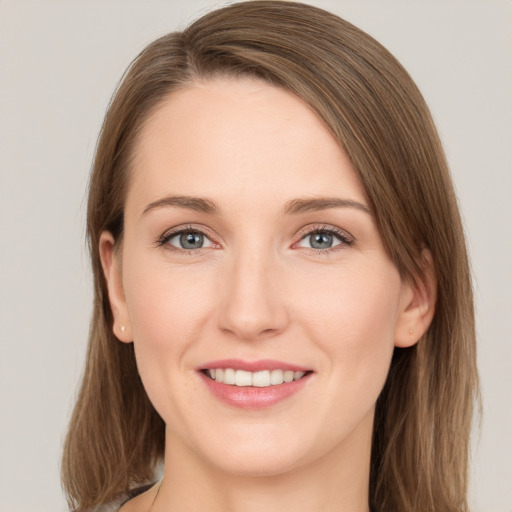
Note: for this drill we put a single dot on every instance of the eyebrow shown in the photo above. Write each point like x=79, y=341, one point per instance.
x=197, y=204
x=292, y=207
x=297, y=206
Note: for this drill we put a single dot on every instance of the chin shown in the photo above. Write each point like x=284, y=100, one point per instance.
x=261, y=455
x=258, y=463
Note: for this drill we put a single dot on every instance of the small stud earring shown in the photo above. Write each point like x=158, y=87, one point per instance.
x=123, y=328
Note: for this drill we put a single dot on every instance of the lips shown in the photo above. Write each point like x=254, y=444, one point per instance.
x=253, y=385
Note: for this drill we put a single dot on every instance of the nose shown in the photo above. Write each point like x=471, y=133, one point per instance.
x=253, y=304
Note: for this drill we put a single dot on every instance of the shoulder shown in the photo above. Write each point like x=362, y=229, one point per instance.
x=116, y=504
x=113, y=506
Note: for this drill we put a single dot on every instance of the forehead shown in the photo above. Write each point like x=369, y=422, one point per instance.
x=242, y=138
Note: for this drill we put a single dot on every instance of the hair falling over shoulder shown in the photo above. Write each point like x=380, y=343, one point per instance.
x=373, y=108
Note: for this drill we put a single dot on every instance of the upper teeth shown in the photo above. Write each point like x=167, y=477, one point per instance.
x=258, y=379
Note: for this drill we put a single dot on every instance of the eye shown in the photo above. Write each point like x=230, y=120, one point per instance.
x=319, y=240
x=187, y=239
x=324, y=239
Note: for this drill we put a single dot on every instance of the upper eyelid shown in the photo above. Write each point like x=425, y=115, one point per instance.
x=316, y=228
x=304, y=231
x=171, y=232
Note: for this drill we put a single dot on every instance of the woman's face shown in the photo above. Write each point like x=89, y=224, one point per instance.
x=250, y=247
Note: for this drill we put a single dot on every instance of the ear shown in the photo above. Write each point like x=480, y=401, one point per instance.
x=417, y=305
x=110, y=261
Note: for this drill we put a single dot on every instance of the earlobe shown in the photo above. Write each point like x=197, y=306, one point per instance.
x=113, y=277
x=417, y=305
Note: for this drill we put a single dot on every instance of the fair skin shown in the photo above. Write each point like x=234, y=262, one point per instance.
x=310, y=287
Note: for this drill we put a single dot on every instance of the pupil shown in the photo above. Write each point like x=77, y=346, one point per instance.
x=191, y=240
x=321, y=240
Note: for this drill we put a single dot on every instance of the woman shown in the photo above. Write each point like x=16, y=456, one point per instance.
x=283, y=309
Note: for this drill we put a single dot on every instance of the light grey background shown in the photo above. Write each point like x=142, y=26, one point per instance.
x=59, y=63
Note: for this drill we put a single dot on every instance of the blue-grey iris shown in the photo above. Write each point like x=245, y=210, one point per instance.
x=320, y=240
x=191, y=240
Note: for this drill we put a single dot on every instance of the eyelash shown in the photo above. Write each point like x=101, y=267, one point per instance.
x=344, y=238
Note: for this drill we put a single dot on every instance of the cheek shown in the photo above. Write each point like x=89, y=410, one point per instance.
x=352, y=319
x=166, y=305
x=355, y=301
x=167, y=313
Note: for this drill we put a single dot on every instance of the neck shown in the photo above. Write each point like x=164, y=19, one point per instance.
x=337, y=481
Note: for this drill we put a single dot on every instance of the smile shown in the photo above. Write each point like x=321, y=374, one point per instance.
x=259, y=379
x=253, y=384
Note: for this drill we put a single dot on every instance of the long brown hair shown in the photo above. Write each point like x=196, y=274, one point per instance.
x=419, y=458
